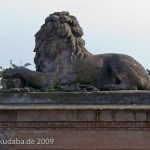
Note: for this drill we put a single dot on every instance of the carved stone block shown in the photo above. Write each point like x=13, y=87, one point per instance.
x=72, y=126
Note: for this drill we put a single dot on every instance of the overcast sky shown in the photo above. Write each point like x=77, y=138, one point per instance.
x=116, y=26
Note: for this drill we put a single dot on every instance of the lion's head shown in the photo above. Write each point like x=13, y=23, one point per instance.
x=61, y=31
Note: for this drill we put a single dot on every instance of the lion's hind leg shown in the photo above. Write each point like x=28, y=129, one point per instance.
x=120, y=78
x=120, y=86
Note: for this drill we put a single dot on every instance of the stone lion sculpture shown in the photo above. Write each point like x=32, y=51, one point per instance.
x=63, y=63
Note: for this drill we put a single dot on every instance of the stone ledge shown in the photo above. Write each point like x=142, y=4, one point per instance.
x=75, y=107
x=75, y=113
x=92, y=98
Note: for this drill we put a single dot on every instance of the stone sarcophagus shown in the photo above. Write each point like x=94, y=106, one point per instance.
x=71, y=121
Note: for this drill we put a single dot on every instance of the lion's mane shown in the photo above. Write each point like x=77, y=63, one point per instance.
x=66, y=32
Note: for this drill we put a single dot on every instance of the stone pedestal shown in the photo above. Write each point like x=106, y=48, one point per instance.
x=75, y=121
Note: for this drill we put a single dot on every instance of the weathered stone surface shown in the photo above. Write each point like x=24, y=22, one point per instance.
x=95, y=98
x=75, y=120
x=88, y=127
x=63, y=118
x=64, y=64
x=85, y=140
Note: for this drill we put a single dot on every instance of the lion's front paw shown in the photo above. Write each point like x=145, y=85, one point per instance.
x=9, y=73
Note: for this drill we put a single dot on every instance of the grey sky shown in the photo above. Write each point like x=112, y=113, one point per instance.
x=116, y=26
